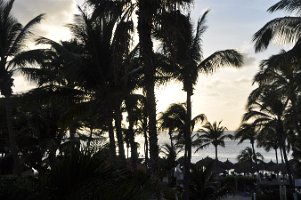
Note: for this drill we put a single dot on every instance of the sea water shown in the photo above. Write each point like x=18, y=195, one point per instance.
x=231, y=150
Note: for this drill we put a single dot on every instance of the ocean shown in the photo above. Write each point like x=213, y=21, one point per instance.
x=231, y=150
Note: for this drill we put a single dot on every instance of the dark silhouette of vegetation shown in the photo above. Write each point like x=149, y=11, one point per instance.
x=96, y=92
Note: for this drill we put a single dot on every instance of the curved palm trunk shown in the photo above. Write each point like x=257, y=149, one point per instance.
x=146, y=10
x=187, y=155
x=254, y=156
x=12, y=137
x=118, y=118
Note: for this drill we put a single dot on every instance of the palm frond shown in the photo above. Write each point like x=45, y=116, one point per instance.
x=285, y=29
x=221, y=58
x=23, y=34
x=287, y=5
x=196, y=45
x=6, y=8
x=255, y=114
x=199, y=118
x=36, y=56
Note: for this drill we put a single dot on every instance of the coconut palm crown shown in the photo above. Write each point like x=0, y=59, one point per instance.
x=211, y=134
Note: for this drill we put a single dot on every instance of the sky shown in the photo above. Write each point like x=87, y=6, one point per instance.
x=231, y=25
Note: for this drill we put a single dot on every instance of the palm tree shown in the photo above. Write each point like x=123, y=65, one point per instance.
x=146, y=16
x=104, y=32
x=184, y=50
x=13, y=37
x=267, y=138
x=247, y=132
x=211, y=134
x=267, y=109
x=173, y=119
x=132, y=106
x=287, y=29
x=246, y=155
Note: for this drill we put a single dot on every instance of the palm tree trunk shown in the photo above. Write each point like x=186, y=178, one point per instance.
x=146, y=9
x=281, y=138
x=215, y=153
x=281, y=154
x=144, y=127
x=145, y=149
x=187, y=156
x=276, y=154
x=134, y=154
x=295, y=112
x=72, y=132
x=254, y=156
x=12, y=137
x=118, y=119
x=170, y=138
x=112, y=144
x=90, y=138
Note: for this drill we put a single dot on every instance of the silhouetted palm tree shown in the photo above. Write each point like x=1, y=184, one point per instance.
x=146, y=16
x=267, y=138
x=211, y=134
x=13, y=38
x=246, y=155
x=104, y=32
x=287, y=29
x=267, y=109
x=184, y=50
x=247, y=132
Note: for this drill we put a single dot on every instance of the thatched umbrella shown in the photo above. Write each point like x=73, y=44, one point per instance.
x=242, y=167
x=279, y=168
x=217, y=165
x=270, y=165
x=227, y=165
x=205, y=161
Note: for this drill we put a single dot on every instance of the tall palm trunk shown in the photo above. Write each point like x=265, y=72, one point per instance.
x=254, y=156
x=90, y=138
x=72, y=132
x=170, y=138
x=276, y=154
x=146, y=149
x=295, y=112
x=281, y=154
x=216, y=153
x=134, y=154
x=187, y=156
x=12, y=137
x=144, y=129
x=146, y=10
x=112, y=144
x=281, y=139
x=118, y=119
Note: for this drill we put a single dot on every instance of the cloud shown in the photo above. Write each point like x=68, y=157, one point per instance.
x=58, y=14
x=21, y=84
x=213, y=94
x=243, y=81
x=249, y=60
